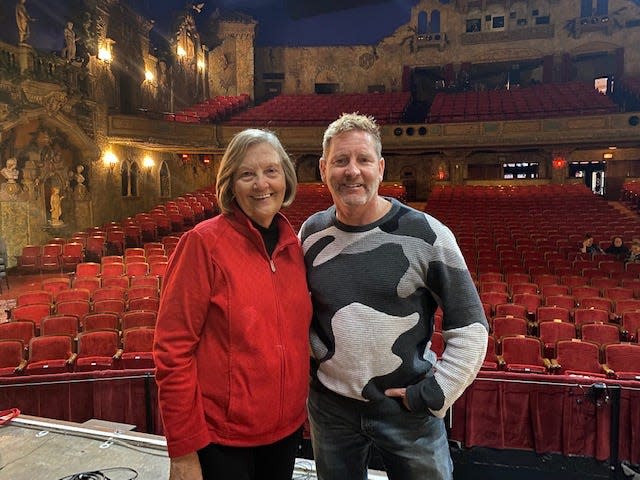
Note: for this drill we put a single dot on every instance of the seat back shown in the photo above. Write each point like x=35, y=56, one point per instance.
x=508, y=325
x=575, y=356
x=23, y=330
x=72, y=294
x=138, y=318
x=108, y=293
x=522, y=350
x=590, y=315
x=109, y=305
x=98, y=343
x=545, y=314
x=11, y=354
x=54, y=285
x=138, y=339
x=34, y=313
x=54, y=347
x=33, y=297
x=100, y=320
x=78, y=308
x=60, y=325
x=600, y=333
x=622, y=357
x=88, y=269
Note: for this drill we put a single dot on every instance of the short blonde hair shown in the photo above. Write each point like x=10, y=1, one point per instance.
x=233, y=157
x=348, y=122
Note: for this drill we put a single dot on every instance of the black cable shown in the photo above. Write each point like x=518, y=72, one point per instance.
x=99, y=474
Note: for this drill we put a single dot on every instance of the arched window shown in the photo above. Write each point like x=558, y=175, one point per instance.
x=422, y=23
x=434, y=24
x=134, y=176
x=165, y=181
x=130, y=175
x=124, y=179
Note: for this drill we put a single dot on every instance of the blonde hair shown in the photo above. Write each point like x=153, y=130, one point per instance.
x=352, y=121
x=233, y=157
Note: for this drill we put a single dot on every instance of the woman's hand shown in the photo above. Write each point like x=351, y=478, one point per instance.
x=186, y=467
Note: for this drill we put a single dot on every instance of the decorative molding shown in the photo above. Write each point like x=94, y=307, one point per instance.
x=525, y=33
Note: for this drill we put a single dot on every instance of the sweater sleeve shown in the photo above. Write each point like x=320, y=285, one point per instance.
x=465, y=329
x=183, y=310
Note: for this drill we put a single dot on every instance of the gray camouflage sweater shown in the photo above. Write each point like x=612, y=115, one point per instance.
x=375, y=289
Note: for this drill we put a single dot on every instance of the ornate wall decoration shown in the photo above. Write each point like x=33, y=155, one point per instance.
x=366, y=61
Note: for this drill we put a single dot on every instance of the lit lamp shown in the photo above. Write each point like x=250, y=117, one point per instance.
x=181, y=51
x=110, y=160
x=607, y=156
x=148, y=76
x=104, y=51
x=148, y=164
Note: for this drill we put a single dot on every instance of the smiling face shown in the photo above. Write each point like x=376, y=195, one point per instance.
x=259, y=184
x=353, y=170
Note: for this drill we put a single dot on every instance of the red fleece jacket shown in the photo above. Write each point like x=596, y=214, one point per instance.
x=231, y=342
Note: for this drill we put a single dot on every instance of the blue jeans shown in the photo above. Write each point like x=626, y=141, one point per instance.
x=413, y=446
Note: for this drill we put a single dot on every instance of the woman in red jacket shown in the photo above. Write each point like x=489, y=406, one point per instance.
x=231, y=343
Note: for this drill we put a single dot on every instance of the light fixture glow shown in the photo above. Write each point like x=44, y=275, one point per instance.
x=104, y=54
x=148, y=76
x=181, y=51
x=148, y=163
x=110, y=159
x=607, y=156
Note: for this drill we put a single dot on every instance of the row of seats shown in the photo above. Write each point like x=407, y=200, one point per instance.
x=91, y=350
x=215, y=109
x=314, y=109
x=539, y=101
x=161, y=227
x=525, y=354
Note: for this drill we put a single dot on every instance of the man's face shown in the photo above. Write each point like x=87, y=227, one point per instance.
x=352, y=170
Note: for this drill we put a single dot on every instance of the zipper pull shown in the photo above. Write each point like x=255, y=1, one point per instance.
x=273, y=265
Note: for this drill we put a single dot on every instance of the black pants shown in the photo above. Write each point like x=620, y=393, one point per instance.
x=269, y=462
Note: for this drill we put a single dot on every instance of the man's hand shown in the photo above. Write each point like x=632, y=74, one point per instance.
x=400, y=393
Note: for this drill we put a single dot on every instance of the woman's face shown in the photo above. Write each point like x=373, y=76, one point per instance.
x=259, y=184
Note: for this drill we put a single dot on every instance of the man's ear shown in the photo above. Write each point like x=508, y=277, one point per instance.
x=321, y=166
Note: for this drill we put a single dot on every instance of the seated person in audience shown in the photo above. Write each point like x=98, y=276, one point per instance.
x=617, y=248
x=634, y=255
x=588, y=246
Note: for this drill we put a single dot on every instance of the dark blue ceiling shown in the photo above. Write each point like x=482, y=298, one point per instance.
x=280, y=22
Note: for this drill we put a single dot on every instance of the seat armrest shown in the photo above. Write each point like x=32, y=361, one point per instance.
x=71, y=360
x=609, y=371
x=118, y=354
x=20, y=368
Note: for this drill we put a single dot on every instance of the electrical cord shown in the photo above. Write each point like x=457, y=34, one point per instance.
x=100, y=474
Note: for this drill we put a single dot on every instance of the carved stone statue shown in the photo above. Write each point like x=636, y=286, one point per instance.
x=10, y=171
x=22, y=21
x=79, y=177
x=56, y=206
x=69, y=50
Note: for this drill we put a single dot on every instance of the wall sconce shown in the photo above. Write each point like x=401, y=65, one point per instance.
x=148, y=164
x=607, y=156
x=110, y=160
x=148, y=76
x=181, y=52
x=105, y=50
